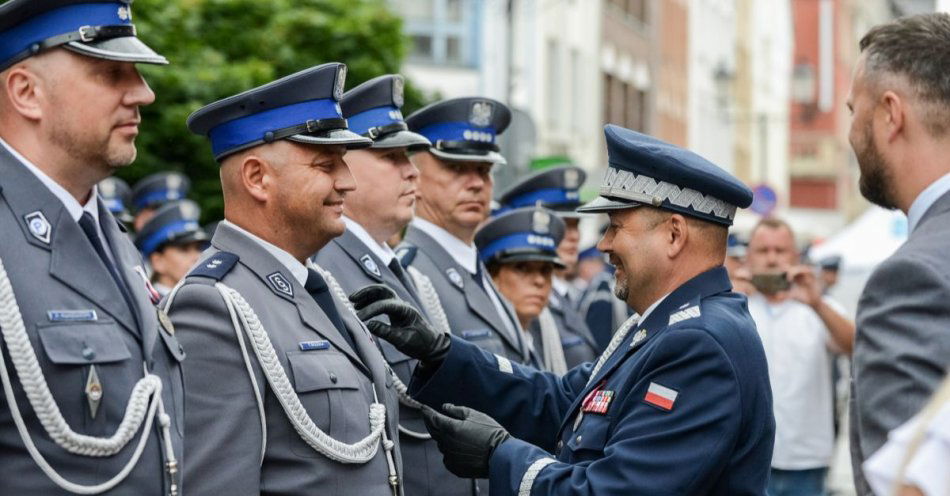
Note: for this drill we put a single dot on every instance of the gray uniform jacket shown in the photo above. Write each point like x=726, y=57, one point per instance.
x=77, y=318
x=577, y=341
x=902, y=346
x=335, y=383
x=356, y=266
x=468, y=307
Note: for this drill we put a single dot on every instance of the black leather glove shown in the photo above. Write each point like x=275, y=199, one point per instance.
x=407, y=330
x=467, y=438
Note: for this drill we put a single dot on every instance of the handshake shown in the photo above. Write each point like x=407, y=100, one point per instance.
x=465, y=437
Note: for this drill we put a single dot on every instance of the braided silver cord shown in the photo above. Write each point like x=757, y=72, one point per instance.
x=359, y=452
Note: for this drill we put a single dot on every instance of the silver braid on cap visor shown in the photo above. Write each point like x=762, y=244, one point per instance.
x=641, y=188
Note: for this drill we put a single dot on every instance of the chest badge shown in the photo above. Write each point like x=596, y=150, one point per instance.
x=638, y=337
x=454, y=277
x=370, y=265
x=93, y=391
x=40, y=228
x=597, y=401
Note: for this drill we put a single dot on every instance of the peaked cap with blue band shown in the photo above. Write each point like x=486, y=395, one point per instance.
x=522, y=234
x=159, y=188
x=556, y=188
x=302, y=107
x=96, y=28
x=372, y=109
x=173, y=223
x=117, y=196
x=643, y=170
x=463, y=129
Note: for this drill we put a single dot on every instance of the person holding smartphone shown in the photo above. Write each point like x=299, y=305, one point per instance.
x=799, y=328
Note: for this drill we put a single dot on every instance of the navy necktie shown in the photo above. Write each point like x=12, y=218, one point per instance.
x=317, y=287
x=88, y=225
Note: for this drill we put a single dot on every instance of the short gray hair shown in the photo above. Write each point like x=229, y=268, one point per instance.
x=918, y=48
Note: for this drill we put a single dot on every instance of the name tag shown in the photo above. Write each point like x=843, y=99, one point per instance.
x=72, y=315
x=314, y=345
x=476, y=334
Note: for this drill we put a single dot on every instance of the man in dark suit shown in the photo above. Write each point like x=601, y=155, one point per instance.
x=900, y=100
x=94, y=388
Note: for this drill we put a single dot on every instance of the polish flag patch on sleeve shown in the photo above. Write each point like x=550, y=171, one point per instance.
x=660, y=396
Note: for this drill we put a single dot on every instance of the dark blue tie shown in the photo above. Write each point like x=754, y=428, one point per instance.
x=320, y=292
x=88, y=225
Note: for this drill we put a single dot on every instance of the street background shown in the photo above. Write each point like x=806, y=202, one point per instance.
x=756, y=86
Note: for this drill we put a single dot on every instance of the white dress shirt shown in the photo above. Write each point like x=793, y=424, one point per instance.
x=297, y=269
x=926, y=199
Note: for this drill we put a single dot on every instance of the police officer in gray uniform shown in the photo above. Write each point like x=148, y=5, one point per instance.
x=455, y=187
x=92, y=386
x=382, y=205
x=287, y=393
x=558, y=189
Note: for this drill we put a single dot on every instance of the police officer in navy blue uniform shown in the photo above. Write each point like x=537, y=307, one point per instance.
x=519, y=249
x=287, y=392
x=558, y=189
x=171, y=242
x=91, y=371
x=679, y=404
x=155, y=190
x=382, y=205
x=455, y=188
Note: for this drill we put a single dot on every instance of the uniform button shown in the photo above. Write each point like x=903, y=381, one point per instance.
x=88, y=353
x=333, y=378
x=560, y=444
x=579, y=438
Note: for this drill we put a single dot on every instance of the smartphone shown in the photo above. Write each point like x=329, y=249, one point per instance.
x=771, y=283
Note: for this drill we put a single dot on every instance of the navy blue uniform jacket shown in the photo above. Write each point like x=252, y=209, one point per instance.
x=716, y=438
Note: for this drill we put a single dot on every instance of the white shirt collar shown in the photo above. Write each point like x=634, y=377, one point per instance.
x=465, y=255
x=926, y=199
x=297, y=269
x=69, y=201
x=381, y=250
x=560, y=285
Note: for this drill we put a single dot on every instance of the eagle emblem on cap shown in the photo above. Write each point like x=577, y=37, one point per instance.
x=571, y=179
x=481, y=114
x=125, y=13
x=541, y=222
x=398, y=87
x=188, y=210
x=340, y=81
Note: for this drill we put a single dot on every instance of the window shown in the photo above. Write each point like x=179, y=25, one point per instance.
x=443, y=31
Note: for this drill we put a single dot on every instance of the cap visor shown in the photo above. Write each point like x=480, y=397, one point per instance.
x=492, y=157
x=531, y=257
x=351, y=140
x=600, y=205
x=125, y=49
x=403, y=139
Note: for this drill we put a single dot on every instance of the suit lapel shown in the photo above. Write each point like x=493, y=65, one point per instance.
x=359, y=252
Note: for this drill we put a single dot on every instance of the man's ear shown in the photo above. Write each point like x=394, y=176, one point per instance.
x=678, y=235
x=24, y=92
x=255, y=173
x=892, y=109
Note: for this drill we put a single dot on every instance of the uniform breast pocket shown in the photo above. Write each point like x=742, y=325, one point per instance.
x=329, y=389
x=73, y=349
x=588, y=441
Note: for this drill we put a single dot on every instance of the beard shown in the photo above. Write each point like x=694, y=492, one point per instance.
x=876, y=181
x=92, y=150
x=621, y=288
